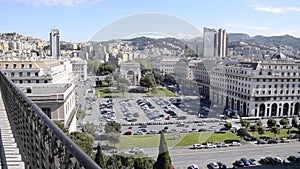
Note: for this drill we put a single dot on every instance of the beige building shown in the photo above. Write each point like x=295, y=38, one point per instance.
x=57, y=101
x=258, y=88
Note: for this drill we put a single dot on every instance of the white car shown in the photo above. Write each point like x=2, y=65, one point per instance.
x=192, y=166
x=136, y=150
x=209, y=145
x=235, y=144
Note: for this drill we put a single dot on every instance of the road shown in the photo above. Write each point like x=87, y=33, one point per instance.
x=183, y=156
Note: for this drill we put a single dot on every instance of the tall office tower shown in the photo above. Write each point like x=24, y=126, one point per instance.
x=54, y=43
x=209, y=42
x=222, y=43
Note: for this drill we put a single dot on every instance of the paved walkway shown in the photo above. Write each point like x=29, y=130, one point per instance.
x=13, y=157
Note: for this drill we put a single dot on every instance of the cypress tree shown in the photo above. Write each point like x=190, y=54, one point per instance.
x=163, y=159
x=99, y=158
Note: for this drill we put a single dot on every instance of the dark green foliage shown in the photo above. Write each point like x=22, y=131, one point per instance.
x=261, y=130
x=275, y=130
x=89, y=128
x=245, y=123
x=148, y=81
x=228, y=125
x=61, y=126
x=254, y=127
x=163, y=159
x=112, y=127
x=100, y=157
x=271, y=123
x=259, y=123
x=295, y=122
x=242, y=132
x=84, y=141
x=105, y=69
x=283, y=122
x=80, y=114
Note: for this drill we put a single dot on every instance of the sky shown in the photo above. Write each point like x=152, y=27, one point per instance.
x=80, y=20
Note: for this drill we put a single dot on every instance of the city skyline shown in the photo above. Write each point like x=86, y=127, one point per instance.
x=79, y=20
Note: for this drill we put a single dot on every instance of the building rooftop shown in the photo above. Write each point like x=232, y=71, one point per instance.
x=43, y=89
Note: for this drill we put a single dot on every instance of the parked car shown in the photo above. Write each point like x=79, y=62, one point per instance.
x=293, y=158
x=213, y=165
x=252, y=161
x=238, y=163
x=136, y=150
x=192, y=166
x=235, y=144
x=260, y=142
x=222, y=165
x=245, y=161
x=128, y=133
x=264, y=161
x=209, y=145
x=272, y=141
x=284, y=140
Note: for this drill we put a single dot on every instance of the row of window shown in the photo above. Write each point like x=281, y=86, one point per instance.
x=275, y=92
x=14, y=66
x=21, y=74
x=30, y=81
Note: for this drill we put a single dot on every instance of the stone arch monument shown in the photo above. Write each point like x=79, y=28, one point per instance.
x=131, y=71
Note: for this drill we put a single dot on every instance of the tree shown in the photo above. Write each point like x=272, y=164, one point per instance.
x=109, y=80
x=122, y=87
x=148, y=81
x=228, y=125
x=242, y=132
x=84, y=141
x=254, y=128
x=283, y=122
x=112, y=127
x=89, y=128
x=163, y=160
x=105, y=69
x=80, y=114
x=261, y=130
x=294, y=122
x=271, y=123
x=245, y=123
x=259, y=123
x=275, y=130
x=157, y=78
x=100, y=157
x=113, y=138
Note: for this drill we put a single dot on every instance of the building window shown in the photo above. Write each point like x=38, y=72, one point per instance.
x=21, y=81
x=30, y=66
x=22, y=66
x=47, y=111
x=45, y=81
x=36, y=74
x=37, y=81
x=29, y=81
x=28, y=74
x=12, y=74
x=21, y=74
x=14, y=66
x=6, y=66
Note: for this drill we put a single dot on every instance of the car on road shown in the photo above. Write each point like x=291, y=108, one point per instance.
x=293, y=158
x=197, y=146
x=221, y=144
x=136, y=150
x=128, y=133
x=264, y=161
x=260, y=142
x=209, y=145
x=235, y=144
x=213, y=165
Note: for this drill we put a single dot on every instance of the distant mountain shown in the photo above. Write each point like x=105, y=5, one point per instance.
x=233, y=37
x=276, y=41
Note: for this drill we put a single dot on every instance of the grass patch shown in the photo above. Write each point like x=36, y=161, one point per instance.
x=107, y=93
x=161, y=92
x=269, y=134
x=147, y=141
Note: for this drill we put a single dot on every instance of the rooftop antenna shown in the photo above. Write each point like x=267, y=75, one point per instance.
x=54, y=24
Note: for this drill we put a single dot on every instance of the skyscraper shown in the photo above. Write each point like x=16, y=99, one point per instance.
x=54, y=43
x=222, y=43
x=214, y=43
x=209, y=42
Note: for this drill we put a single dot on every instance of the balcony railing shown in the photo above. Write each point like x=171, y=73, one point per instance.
x=42, y=144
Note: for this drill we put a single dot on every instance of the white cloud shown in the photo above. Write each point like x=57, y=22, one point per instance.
x=276, y=9
x=57, y=2
x=269, y=9
x=252, y=27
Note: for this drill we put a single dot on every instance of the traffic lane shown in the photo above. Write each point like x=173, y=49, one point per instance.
x=229, y=155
